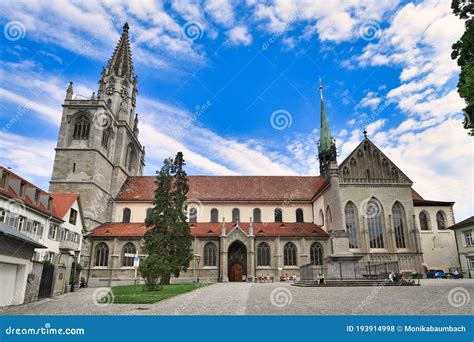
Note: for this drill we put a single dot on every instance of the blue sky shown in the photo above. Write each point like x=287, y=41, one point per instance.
x=234, y=84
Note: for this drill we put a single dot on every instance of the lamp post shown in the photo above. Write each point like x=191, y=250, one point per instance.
x=198, y=259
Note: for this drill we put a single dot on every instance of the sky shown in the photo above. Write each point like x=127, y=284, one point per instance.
x=234, y=85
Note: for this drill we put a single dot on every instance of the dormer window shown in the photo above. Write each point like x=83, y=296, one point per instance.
x=50, y=203
x=37, y=196
x=4, y=180
x=22, y=189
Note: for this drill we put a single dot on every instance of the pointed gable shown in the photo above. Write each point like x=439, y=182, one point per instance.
x=368, y=164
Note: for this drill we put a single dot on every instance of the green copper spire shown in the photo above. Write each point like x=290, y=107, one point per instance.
x=325, y=139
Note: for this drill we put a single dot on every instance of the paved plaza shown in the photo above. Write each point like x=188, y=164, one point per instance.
x=433, y=297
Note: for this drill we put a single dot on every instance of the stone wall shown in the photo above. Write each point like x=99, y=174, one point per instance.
x=33, y=282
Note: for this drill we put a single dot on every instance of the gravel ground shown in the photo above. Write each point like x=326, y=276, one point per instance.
x=433, y=297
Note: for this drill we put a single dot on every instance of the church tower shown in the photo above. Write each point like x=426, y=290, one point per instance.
x=98, y=146
x=326, y=145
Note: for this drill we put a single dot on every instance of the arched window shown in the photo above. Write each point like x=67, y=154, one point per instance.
x=149, y=212
x=210, y=254
x=374, y=215
x=106, y=137
x=214, y=215
x=235, y=215
x=351, y=225
x=192, y=215
x=102, y=254
x=257, y=215
x=81, y=128
x=263, y=254
x=441, y=220
x=321, y=217
x=316, y=253
x=289, y=254
x=128, y=249
x=126, y=215
x=299, y=215
x=398, y=214
x=424, y=221
x=278, y=215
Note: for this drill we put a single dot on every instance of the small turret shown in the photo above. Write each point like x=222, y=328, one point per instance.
x=69, y=92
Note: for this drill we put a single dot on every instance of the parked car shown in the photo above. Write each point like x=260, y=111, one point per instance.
x=454, y=275
x=433, y=274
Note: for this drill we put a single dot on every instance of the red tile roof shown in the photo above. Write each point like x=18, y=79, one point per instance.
x=10, y=193
x=230, y=188
x=416, y=195
x=464, y=223
x=214, y=229
x=62, y=203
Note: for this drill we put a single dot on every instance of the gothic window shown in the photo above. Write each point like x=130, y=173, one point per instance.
x=398, y=214
x=321, y=217
x=263, y=254
x=351, y=225
x=424, y=221
x=235, y=215
x=375, y=226
x=289, y=254
x=214, y=215
x=192, y=215
x=109, y=102
x=101, y=254
x=210, y=254
x=299, y=215
x=316, y=253
x=81, y=128
x=441, y=220
x=126, y=214
x=106, y=137
x=278, y=215
x=257, y=215
x=128, y=249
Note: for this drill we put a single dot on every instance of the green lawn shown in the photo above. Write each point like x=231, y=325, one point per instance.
x=125, y=294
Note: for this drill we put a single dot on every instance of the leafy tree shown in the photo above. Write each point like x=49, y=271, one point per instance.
x=463, y=51
x=168, y=240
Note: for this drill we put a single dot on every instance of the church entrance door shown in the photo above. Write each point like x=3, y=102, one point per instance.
x=236, y=272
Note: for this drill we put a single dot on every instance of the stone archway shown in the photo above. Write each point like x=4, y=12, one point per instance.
x=237, y=261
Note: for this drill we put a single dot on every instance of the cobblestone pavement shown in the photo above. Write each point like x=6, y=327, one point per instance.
x=432, y=298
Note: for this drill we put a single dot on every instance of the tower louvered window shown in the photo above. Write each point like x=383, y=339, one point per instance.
x=81, y=129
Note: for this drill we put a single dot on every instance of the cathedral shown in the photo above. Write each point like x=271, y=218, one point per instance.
x=361, y=209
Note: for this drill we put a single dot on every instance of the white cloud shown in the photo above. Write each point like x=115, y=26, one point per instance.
x=239, y=35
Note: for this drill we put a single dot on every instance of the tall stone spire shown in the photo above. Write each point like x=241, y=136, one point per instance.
x=118, y=85
x=325, y=139
x=326, y=146
x=121, y=64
